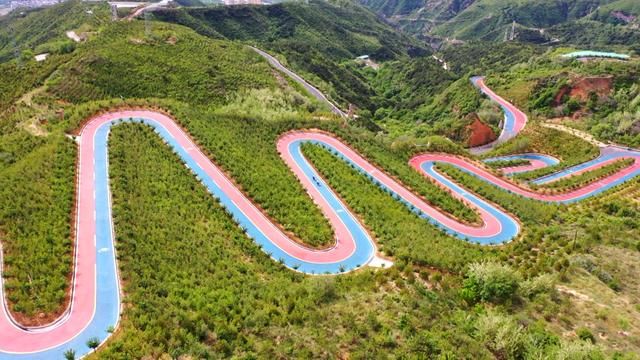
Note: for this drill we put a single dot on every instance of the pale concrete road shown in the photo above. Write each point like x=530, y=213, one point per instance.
x=310, y=88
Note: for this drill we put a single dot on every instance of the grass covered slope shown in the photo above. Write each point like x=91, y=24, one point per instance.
x=131, y=60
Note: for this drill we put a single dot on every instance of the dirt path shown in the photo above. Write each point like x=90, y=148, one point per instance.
x=581, y=134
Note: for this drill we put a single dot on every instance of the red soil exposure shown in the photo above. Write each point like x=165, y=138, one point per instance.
x=581, y=88
x=622, y=16
x=479, y=133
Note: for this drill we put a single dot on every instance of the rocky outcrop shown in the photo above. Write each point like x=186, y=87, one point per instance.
x=479, y=133
x=582, y=88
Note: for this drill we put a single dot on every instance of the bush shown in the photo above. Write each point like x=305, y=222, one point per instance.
x=577, y=350
x=586, y=335
x=502, y=335
x=70, y=354
x=93, y=342
x=539, y=285
x=490, y=281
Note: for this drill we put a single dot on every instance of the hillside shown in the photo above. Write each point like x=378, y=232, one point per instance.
x=542, y=22
x=597, y=96
x=321, y=41
x=43, y=30
x=542, y=271
x=317, y=39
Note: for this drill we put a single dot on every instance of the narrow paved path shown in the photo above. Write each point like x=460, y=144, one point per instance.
x=310, y=88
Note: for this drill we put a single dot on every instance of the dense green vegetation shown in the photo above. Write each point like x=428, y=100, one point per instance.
x=490, y=19
x=527, y=210
x=43, y=30
x=19, y=77
x=499, y=164
x=129, y=60
x=35, y=216
x=548, y=22
x=317, y=39
x=569, y=149
x=398, y=231
x=482, y=57
x=321, y=39
x=586, y=33
x=214, y=329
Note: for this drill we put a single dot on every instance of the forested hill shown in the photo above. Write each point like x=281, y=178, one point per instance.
x=43, y=30
x=538, y=21
x=316, y=39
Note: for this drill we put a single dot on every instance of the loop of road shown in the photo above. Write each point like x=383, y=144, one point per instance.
x=95, y=296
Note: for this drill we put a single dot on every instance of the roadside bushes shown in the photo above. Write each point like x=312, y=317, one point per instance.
x=397, y=230
x=499, y=164
x=571, y=150
x=584, y=179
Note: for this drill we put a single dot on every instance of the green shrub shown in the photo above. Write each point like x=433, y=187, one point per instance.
x=539, y=285
x=577, y=350
x=585, y=334
x=93, y=342
x=490, y=281
x=502, y=335
x=70, y=354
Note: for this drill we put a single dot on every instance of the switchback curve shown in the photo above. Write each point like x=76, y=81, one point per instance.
x=95, y=304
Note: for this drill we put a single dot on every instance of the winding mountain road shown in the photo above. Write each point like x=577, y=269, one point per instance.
x=310, y=88
x=514, y=119
x=95, y=297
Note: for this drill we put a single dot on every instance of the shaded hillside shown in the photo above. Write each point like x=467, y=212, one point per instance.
x=315, y=39
x=433, y=9
x=480, y=57
x=417, y=16
x=589, y=33
x=321, y=40
x=581, y=22
x=486, y=18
